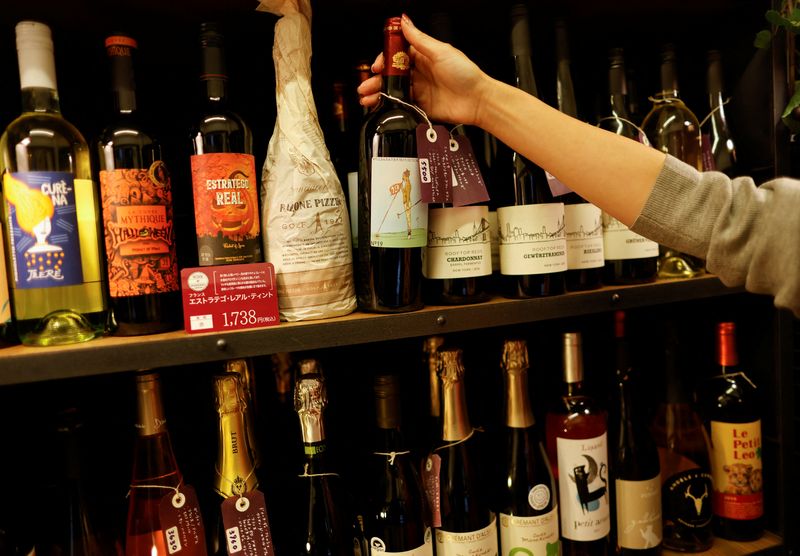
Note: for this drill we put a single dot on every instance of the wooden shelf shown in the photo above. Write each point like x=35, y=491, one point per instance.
x=20, y=364
x=769, y=542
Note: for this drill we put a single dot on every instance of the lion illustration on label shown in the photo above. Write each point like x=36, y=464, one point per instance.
x=742, y=479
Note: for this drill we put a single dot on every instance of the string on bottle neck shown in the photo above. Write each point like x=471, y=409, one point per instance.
x=233, y=483
x=392, y=455
x=419, y=110
x=623, y=120
x=177, y=500
x=714, y=110
x=309, y=475
x=457, y=442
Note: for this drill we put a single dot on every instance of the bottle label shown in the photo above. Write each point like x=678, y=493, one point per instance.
x=140, y=237
x=430, y=481
x=532, y=239
x=473, y=543
x=620, y=243
x=736, y=467
x=494, y=237
x=398, y=217
x=583, y=488
x=181, y=523
x=377, y=547
x=43, y=226
x=584, y=230
x=459, y=245
x=686, y=499
x=226, y=208
x=639, y=513
x=352, y=196
x=529, y=536
x=5, y=302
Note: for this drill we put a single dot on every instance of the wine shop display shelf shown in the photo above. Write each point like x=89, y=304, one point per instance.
x=21, y=364
x=769, y=543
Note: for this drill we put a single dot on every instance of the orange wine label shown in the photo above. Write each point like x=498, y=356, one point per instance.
x=226, y=208
x=736, y=469
x=140, y=238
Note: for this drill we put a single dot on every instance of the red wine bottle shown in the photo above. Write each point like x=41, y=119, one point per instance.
x=719, y=150
x=136, y=191
x=577, y=447
x=392, y=219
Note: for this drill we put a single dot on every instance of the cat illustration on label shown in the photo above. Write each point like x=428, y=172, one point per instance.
x=590, y=500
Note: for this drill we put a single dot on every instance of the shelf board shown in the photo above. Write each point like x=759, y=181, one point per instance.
x=769, y=541
x=21, y=364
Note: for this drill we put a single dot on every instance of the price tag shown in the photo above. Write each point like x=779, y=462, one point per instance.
x=246, y=525
x=232, y=297
x=468, y=185
x=557, y=187
x=430, y=481
x=181, y=523
x=433, y=153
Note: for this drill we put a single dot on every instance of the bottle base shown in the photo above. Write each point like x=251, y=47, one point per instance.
x=61, y=328
x=674, y=264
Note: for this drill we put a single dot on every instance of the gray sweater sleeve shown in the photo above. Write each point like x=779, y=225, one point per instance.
x=748, y=235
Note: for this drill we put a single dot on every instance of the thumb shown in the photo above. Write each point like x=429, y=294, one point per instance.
x=425, y=44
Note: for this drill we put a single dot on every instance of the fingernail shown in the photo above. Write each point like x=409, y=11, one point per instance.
x=407, y=20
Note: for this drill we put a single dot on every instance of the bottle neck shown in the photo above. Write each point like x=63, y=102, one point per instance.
x=523, y=74
x=669, y=80
x=397, y=86
x=435, y=387
x=618, y=91
x=573, y=388
x=213, y=75
x=235, y=472
x=519, y=414
x=37, y=74
x=215, y=91
x=397, y=65
x=123, y=85
x=37, y=99
x=727, y=357
x=151, y=420
x=456, y=425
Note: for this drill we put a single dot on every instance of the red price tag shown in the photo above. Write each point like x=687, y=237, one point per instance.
x=231, y=297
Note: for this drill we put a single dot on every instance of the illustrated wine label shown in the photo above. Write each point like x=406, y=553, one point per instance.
x=43, y=228
x=377, y=547
x=181, y=523
x=639, y=513
x=529, y=536
x=584, y=230
x=532, y=239
x=246, y=526
x=459, y=243
x=474, y=543
x=620, y=243
x=226, y=208
x=139, y=231
x=5, y=302
x=494, y=237
x=583, y=488
x=736, y=468
x=686, y=499
x=398, y=217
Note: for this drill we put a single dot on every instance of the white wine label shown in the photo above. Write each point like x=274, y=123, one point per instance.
x=583, y=488
x=539, y=497
x=494, y=237
x=736, y=468
x=473, y=543
x=532, y=239
x=5, y=302
x=398, y=216
x=639, y=513
x=459, y=245
x=377, y=547
x=620, y=243
x=529, y=536
x=584, y=229
x=352, y=207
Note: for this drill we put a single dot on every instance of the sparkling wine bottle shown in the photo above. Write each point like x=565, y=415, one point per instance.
x=430, y=352
x=392, y=219
x=533, y=247
x=397, y=519
x=731, y=411
x=629, y=257
x=528, y=503
x=136, y=194
x=578, y=451
x=51, y=210
x=719, y=151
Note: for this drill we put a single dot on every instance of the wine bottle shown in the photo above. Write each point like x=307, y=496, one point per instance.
x=683, y=450
x=342, y=142
x=392, y=219
x=224, y=178
x=528, y=504
x=397, y=519
x=326, y=518
x=430, y=351
x=467, y=523
x=732, y=416
x=635, y=466
x=155, y=471
x=673, y=128
x=50, y=210
x=363, y=71
x=136, y=194
x=719, y=151
x=245, y=369
x=577, y=447
x=629, y=257
x=6, y=324
x=583, y=221
x=533, y=247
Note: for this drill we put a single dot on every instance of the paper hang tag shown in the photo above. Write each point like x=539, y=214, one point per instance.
x=433, y=153
x=557, y=187
x=182, y=523
x=430, y=481
x=246, y=525
x=468, y=185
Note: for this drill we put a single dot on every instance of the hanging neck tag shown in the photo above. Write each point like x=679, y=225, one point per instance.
x=244, y=519
x=181, y=523
x=468, y=185
x=433, y=152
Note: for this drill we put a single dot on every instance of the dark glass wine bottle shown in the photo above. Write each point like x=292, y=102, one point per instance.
x=224, y=178
x=462, y=498
x=583, y=221
x=397, y=519
x=629, y=257
x=683, y=450
x=528, y=503
x=732, y=414
x=533, y=246
x=635, y=466
x=136, y=191
x=392, y=219
x=719, y=151
x=578, y=451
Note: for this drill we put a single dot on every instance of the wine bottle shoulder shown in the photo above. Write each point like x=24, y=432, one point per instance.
x=45, y=133
x=390, y=116
x=213, y=124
